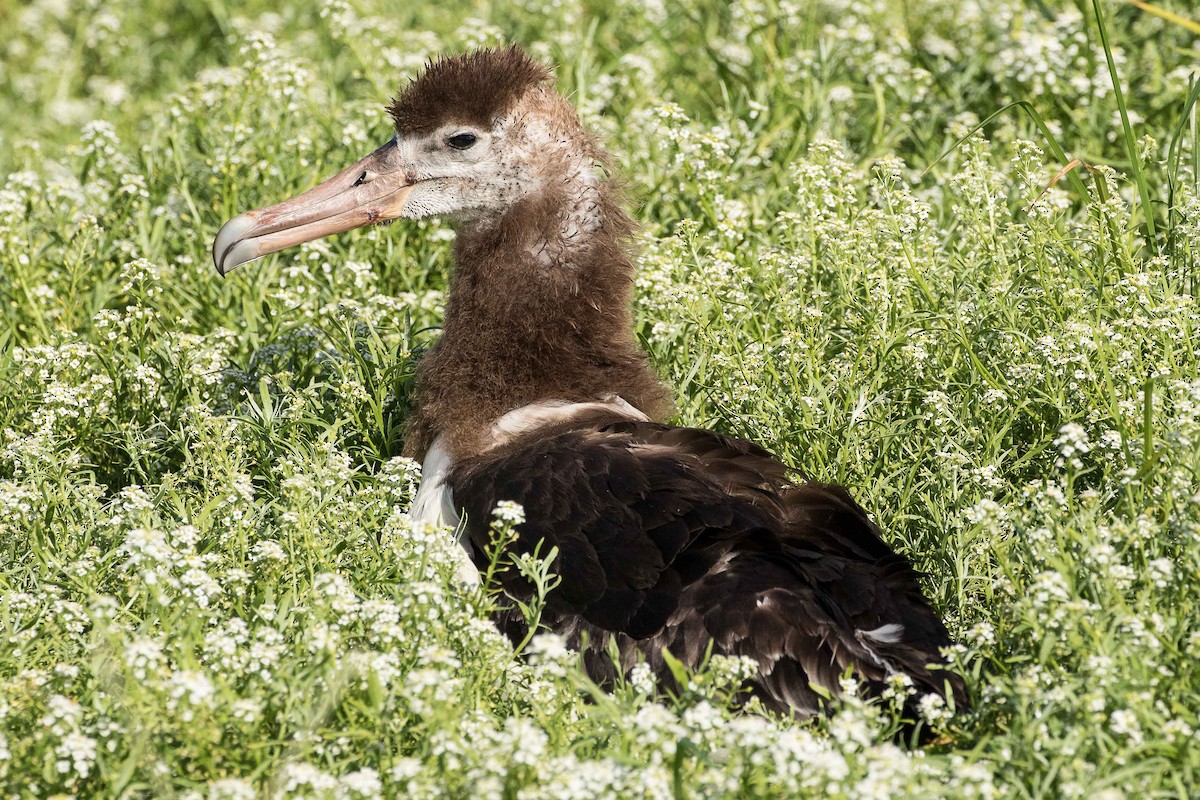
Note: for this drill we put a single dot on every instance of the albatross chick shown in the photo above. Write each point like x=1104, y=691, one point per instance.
x=668, y=538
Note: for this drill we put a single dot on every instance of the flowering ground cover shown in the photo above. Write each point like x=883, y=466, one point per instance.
x=210, y=587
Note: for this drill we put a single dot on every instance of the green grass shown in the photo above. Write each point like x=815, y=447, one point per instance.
x=209, y=586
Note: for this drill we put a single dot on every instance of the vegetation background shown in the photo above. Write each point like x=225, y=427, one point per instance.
x=209, y=587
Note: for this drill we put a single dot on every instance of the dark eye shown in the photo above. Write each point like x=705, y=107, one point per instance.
x=462, y=141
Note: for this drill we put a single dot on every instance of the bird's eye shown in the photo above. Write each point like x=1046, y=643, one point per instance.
x=462, y=141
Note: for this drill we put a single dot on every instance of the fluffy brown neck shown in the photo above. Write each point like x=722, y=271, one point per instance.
x=539, y=309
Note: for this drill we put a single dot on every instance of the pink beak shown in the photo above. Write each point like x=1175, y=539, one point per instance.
x=373, y=190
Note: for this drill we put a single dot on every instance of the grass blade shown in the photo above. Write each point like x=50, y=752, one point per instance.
x=1169, y=16
x=1135, y=164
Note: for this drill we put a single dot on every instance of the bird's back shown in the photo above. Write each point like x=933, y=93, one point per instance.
x=675, y=537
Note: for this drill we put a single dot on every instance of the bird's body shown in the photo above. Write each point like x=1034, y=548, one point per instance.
x=538, y=393
x=673, y=538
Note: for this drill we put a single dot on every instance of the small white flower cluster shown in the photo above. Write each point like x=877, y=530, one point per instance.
x=75, y=752
x=165, y=561
x=509, y=513
x=1056, y=58
x=187, y=692
x=1072, y=444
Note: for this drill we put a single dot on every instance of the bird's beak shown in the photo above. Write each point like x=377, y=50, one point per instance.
x=373, y=190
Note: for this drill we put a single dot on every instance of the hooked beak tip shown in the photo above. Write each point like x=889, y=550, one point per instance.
x=230, y=248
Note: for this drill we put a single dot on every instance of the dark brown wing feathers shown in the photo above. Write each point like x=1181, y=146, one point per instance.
x=675, y=537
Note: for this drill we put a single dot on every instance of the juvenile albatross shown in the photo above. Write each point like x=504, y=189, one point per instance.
x=668, y=538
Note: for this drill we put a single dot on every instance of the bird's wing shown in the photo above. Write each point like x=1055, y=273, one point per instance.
x=675, y=537
x=635, y=512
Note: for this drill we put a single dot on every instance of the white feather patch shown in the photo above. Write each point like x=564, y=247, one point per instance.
x=434, y=503
x=549, y=412
x=885, y=634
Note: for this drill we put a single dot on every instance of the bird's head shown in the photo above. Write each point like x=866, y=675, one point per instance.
x=475, y=135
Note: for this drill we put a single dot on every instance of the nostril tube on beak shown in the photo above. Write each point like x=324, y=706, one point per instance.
x=376, y=193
